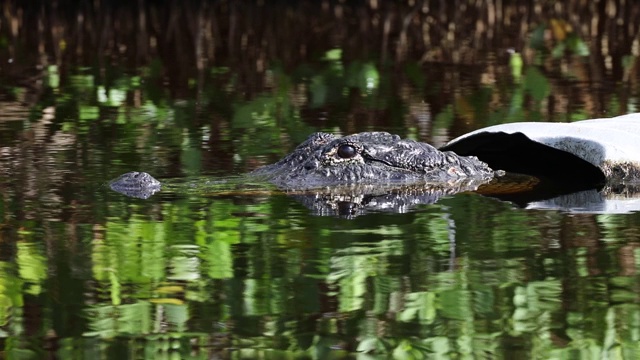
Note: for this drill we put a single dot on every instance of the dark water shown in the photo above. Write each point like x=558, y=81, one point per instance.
x=202, y=92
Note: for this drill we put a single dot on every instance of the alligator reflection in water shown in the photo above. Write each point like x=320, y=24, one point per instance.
x=521, y=190
x=354, y=200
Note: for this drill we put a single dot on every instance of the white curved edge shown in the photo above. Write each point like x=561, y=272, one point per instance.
x=616, y=139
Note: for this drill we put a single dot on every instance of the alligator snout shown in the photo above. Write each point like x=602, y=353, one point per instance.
x=311, y=164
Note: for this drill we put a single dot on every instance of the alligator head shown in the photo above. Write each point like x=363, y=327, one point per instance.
x=369, y=158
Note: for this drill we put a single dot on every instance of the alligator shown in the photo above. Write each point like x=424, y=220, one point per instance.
x=368, y=158
x=352, y=175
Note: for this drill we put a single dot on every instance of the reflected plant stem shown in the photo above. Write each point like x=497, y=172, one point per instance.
x=452, y=242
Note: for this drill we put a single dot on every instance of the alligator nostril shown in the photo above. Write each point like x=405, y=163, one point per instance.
x=310, y=165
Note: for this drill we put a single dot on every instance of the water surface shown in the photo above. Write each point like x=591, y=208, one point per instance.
x=195, y=94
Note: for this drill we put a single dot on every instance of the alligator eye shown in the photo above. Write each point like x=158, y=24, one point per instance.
x=347, y=151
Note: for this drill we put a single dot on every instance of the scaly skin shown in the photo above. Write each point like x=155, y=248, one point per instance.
x=369, y=158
